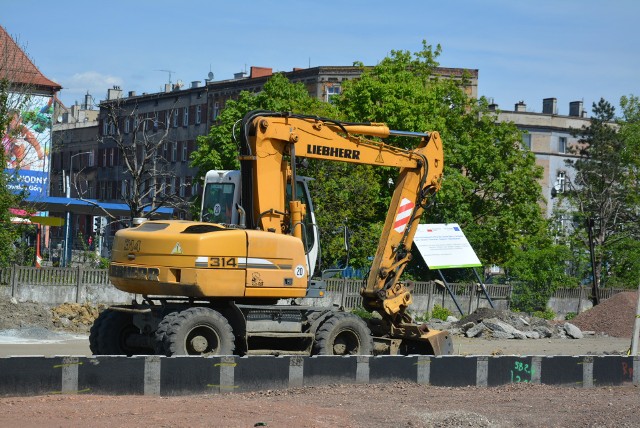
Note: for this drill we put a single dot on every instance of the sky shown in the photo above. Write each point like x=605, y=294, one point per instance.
x=524, y=50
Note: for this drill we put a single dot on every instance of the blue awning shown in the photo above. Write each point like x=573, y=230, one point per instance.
x=87, y=206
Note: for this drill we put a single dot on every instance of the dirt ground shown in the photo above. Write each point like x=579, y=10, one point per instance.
x=389, y=405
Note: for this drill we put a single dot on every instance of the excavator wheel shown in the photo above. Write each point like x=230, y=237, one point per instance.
x=93, y=333
x=198, y=331
x=161, y=332
x=343, y=334
x=114, y=332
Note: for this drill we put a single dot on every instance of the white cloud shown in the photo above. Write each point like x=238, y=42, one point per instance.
x=75, y=87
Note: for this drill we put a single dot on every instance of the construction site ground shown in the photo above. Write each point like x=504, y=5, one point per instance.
x=339, y=405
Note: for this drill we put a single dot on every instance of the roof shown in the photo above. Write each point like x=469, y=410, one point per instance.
x=88, y=207
x=20, y=70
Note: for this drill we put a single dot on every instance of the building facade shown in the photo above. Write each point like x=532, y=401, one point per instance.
x=549, y=136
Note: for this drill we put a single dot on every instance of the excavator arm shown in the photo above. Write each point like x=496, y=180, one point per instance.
x=272, y=141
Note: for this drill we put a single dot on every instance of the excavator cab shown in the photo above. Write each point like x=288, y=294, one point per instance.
x=221, y=203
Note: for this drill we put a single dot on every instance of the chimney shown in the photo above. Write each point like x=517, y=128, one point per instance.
x=195, y=83
x=521, y=107
x=492, y=106
x=87, y=102
x=549, y=106
x=132, y=93
x=167, y=87
x=239, y=75
x=575, y=108
x=260, y=72
x=115, y=93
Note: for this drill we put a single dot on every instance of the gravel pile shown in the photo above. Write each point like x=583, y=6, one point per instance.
x=613, y=317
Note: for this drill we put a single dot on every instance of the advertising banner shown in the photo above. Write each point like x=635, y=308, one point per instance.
x=27, y=145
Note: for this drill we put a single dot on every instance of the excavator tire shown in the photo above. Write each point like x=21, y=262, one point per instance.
x=343, y=334
x=93, y=333
x=198, y=331
x=113, y=332
x=161, y=332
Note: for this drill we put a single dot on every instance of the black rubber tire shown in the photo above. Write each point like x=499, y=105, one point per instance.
x=343, y=334
x=198, y=331
x=161, y=332
x=94, y=333
x=113, y=331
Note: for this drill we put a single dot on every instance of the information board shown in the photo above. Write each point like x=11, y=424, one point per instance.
x=444, y=246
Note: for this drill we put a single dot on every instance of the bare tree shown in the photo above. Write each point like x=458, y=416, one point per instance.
x=144, y=147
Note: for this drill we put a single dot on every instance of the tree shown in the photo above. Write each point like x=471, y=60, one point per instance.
x=145, y=147
x=490, y=183
x=16, y=93
x=538, y=268
x=603, y=191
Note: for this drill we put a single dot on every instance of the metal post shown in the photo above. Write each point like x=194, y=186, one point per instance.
x=67, y=233
x=67, y=226
x=595, y=298
x=484, y=289
x=453, y=296
x=636, y=328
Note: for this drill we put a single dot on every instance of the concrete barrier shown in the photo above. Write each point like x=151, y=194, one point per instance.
x=166, y=376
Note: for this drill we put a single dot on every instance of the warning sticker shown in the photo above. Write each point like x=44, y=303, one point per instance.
x=177, y=249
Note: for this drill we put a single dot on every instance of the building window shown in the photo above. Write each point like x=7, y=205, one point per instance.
x=562, y=145
x=185, y=116
x=174, y=151
x=136, y=122
x=216, y=110
x=184, y=151
x=526, y=141
x=127, y=125
x=182, y=186
x=198, y=114
x=332, y=91
x=175, y=118
x=105, y=127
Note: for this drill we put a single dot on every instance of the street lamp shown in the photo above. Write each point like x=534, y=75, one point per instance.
x=67, y=228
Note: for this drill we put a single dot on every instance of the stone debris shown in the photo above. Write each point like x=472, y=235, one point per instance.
x=500, y=324
x=572, y=331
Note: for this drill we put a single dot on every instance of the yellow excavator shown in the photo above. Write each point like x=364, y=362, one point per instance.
x=232, y=282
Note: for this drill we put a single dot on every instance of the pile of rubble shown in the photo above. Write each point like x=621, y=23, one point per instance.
x=75, y=317
x=498, y=324
x=72, y=317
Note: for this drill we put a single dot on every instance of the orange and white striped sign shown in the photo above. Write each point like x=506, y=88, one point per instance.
x=403, y=216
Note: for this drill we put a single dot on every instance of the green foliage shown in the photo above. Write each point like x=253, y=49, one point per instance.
x=546, y=314
x=440, y=312
x=8, y=232
x=539, y=268
x=570, y=315
x=362, y=313
x=103, y=263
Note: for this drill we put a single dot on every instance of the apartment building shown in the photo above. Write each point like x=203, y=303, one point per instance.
x=549, y=136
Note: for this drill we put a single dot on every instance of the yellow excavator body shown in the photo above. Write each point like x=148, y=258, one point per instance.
x=192, y=259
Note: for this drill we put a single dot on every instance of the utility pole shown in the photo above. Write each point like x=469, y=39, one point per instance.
x=67, y=226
